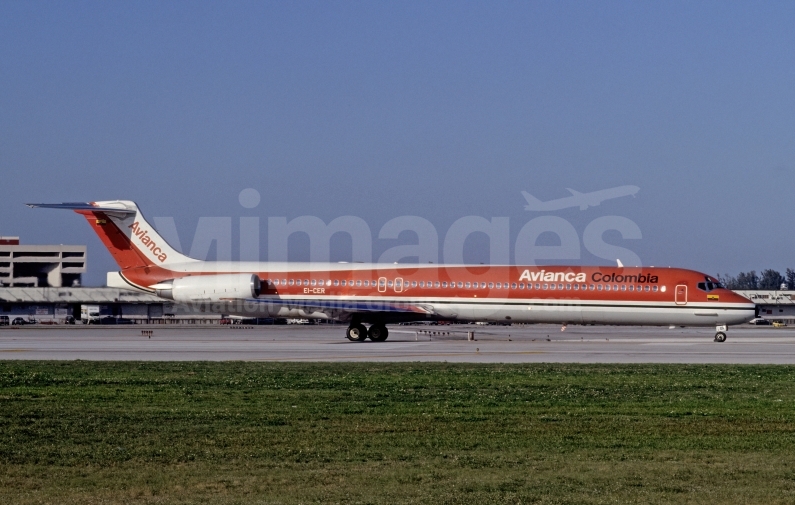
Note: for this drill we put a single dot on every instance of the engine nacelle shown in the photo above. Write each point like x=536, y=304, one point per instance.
x=210, y=288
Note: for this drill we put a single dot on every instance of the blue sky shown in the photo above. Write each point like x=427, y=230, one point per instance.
x=384, y=109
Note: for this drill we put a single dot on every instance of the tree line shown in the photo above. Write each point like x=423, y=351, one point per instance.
x=768, y=279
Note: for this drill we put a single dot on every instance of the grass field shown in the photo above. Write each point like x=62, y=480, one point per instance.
x=96, y=432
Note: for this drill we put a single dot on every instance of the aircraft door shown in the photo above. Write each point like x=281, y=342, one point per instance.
x=399, y=285
x=681, y=294
x=382, y=284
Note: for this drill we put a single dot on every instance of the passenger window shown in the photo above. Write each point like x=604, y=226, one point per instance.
x=460, y=284
x=654, y=289
x=538, y=286
x=646, y=288
x=576, y=287
x=546, y=286
x=607, y=287
x=491, y=285
x=336, y=282
x=551, y=286
x=358, y=283
x=437, y=284
x=389, y=283
x=284, y=282
x=513, y=285
x=560, y=286
x=275, y=282
x=306, y=282
x=413, y=284
x=521, y=285
x=444, y=285
x=615, y=287
x=467, y=285
x=568, y=286
x=598, y=287
x=499, y=285
x=422, y=284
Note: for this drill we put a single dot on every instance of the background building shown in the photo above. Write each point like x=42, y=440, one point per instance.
x=40, y=265
x=53, y=305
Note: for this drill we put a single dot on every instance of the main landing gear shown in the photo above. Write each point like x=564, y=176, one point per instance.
x=358, y=333
x=720, y=333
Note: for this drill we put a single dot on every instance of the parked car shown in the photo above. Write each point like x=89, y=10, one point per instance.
x=18, y=321
x=69, y=320
x=760, y=321
x=4, y=321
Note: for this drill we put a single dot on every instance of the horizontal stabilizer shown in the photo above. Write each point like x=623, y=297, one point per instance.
x=81, y=206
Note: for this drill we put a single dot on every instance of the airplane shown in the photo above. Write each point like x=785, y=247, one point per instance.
x=381, y=294
x=577, y=199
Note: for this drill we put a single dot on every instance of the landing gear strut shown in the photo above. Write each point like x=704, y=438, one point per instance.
x=720, y=333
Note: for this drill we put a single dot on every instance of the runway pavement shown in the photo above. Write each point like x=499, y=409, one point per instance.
x=491, y=344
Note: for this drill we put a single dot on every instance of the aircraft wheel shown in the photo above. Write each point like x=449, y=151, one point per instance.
x=720, y=337
x=378, y=333
x=356, y=333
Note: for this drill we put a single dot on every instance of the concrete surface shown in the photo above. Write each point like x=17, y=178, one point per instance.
x=492, y=344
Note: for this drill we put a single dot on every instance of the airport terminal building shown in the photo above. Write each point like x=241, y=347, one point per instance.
x=55, y=305
x=43, y=282
x=40, y=265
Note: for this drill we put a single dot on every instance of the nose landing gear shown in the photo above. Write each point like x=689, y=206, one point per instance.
x=720, y=332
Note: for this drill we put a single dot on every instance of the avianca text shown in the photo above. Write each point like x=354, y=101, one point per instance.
x=544, y=276
x=147, y=241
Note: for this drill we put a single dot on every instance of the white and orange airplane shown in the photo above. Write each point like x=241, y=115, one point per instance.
x=380, y=294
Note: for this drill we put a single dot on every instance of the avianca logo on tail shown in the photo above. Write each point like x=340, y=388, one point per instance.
x=147, y=241
x=543, y=275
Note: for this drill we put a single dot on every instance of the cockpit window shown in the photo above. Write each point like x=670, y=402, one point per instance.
x=709, y=285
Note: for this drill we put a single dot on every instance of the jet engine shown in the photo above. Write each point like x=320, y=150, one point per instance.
x=210, y=288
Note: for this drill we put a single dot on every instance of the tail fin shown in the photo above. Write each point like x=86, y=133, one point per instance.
x=121, y=226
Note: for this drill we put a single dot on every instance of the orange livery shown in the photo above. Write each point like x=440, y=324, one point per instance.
x=370, y=296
